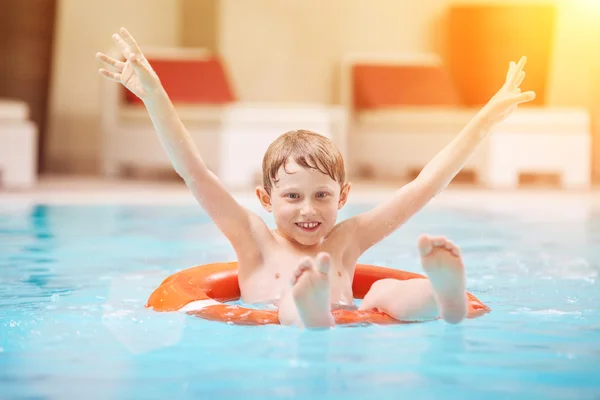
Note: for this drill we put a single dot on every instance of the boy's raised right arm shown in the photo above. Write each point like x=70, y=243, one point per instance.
x=235, y=221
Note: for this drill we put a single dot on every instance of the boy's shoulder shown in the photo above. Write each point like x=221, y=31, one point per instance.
x=342, y=233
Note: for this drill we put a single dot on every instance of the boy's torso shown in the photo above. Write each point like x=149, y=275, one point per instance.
x=267, y=278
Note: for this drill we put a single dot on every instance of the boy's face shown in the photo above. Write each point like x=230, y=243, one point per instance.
x=304, y=202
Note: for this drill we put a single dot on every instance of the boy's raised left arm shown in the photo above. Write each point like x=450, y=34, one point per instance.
x=374, y=225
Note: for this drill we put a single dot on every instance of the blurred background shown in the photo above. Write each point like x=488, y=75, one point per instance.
x=390, y=81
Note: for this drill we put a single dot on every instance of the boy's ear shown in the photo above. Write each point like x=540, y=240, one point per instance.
x=344, y=195
x=264, y=198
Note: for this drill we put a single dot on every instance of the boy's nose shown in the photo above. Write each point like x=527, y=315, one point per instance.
x=307, y=208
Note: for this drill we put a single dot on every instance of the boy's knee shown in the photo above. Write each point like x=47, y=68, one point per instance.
x=383, y=285
x=377, y=291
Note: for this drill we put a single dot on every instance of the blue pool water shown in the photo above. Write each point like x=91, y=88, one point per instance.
x=74, y=279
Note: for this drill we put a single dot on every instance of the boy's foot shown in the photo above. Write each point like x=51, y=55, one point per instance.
x=443, y=264
x=311, y=292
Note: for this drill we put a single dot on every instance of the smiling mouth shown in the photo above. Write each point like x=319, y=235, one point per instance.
x=308, y=226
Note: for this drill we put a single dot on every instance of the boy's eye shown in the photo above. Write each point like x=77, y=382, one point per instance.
x=293, y=195
x=322, y=194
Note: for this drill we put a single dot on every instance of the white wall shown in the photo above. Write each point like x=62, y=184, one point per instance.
x=289, y=50
x=84, y=27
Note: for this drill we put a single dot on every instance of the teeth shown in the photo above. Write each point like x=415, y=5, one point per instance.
x=308, y=225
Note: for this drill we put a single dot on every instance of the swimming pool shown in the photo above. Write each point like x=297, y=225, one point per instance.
x=74, y=279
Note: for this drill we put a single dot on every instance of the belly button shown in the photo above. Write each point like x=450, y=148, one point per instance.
x=277, y=276
x=339, y=273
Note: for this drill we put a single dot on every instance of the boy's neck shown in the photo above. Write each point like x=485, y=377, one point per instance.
x=314, y=248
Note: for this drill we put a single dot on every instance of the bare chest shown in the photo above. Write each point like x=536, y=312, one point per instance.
x=269, y=282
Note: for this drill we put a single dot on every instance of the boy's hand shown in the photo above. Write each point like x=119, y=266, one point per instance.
x=135, y=73
x=509, y=96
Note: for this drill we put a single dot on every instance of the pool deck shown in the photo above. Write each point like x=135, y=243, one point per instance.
x=83, y=190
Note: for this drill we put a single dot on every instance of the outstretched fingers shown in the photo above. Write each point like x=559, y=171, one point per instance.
x=123, y=46
x=130, y=41
x=516, y=78
x=520, y=79
x=110, y=75
x=517, y=98
x=524, y=97
x=119, y=65
x=511, y=68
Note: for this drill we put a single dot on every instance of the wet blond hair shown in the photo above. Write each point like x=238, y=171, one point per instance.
x=309, y=150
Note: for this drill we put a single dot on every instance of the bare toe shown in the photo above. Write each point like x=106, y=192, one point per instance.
x=323, y=263
x=425, y=245
x=452, y=247
x=439, y=241
x=304, y=265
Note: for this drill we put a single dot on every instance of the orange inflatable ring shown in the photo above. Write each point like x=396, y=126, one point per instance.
x=209, y=286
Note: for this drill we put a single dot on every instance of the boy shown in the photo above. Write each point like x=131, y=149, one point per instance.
x=304, y=186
